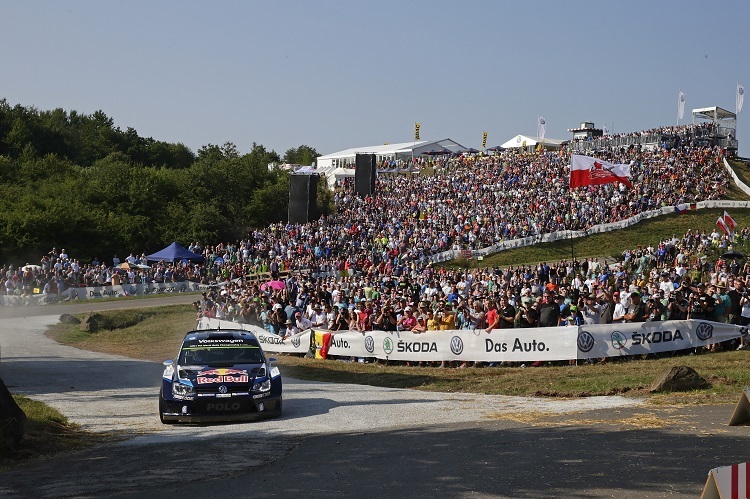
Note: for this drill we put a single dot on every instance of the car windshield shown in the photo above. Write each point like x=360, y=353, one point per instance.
x=220, y=355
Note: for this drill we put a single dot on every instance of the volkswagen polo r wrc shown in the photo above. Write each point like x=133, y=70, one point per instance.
x=219, y=375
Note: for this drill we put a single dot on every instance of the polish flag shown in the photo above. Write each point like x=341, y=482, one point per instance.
x=585, y=170
x=722, y=225
x=729, y=221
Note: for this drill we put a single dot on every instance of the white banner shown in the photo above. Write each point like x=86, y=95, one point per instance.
x=638, y=338
x=506, y=345
x=120, y=291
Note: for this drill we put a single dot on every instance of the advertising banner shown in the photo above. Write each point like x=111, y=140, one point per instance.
x=545, y=344
x=639, y=338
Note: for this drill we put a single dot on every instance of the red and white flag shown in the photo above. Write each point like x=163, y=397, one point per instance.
x=722, y=225
x=729, y=221
x=585, y=170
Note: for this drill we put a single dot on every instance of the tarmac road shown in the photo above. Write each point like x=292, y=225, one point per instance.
x=336, y=440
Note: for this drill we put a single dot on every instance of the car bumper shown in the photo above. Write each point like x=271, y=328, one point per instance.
x=188, y=412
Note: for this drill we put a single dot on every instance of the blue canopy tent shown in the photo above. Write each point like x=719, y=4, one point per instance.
x=174, y=252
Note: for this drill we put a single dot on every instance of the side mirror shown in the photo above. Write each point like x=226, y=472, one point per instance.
x=168, y=362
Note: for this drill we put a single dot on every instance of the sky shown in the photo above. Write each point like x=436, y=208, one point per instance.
x=334, y=74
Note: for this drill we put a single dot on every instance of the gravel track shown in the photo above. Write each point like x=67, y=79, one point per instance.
x=106, y=393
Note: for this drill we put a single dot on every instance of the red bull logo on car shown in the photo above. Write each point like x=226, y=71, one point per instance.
x=222, y=376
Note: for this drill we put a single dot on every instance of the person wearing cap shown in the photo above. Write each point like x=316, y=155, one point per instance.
x=656, y=310
x=279, y=318
x=591, y=311
x=302, y=322
x=290, y=328
x=407, y=321
x=637, y=311
x=722, y=302
x=421, y=325
x=447, y=316
x=318, y=318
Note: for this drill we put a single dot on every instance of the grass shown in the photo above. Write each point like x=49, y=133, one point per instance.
x=147, y=333
x=47, y=433
x=157, y=334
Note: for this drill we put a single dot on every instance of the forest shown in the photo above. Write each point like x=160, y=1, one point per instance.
x=79, y=182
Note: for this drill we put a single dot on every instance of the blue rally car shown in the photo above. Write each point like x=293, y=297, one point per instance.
x=219, y=375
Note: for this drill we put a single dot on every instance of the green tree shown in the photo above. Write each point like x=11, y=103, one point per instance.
x=302, y=155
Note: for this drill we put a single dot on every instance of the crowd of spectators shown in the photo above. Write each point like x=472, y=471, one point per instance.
x=365, y=265
x=692, y=134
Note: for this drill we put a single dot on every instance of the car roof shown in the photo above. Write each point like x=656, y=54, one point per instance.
x=212, y=334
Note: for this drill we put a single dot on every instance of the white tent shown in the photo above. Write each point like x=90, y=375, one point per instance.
x=531, y=142
x=338, y=174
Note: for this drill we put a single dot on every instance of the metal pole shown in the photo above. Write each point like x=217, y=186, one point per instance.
x=572, y=252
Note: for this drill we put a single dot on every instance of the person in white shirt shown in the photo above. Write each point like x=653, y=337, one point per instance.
x=621, y=307
x=301, y=322
x=318, y=318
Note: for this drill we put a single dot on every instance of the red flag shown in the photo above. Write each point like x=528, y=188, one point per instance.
x=585, y=170
x=729, y=221
x=722, y=225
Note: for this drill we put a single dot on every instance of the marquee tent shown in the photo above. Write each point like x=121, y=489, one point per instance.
x=531, y=143
x=174, y=252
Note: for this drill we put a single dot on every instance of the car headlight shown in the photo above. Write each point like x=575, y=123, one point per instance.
x=262, y=386
x=183, y=391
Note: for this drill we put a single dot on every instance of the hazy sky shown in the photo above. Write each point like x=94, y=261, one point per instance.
x=341, y=74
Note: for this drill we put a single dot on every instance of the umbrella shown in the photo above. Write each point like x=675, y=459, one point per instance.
x=733, y=255
x=471, y=150
x=275, y=285
x=141, y=266
x=124, y=266
x=496, y=148
x=29, y=267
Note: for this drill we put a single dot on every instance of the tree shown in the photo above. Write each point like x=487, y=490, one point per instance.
x=303, y=155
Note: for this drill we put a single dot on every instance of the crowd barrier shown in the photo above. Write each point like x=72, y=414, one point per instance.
x=97, y=292
x=501, y=345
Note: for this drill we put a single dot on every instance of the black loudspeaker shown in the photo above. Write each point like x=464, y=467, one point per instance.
x=303, y=196
x=364, y=174
x=299, y=198
x=313, y=213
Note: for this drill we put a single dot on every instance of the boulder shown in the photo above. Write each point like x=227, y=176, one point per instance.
x=69, y=319
x=91, y=323
x=679, y=379
x=12, y=421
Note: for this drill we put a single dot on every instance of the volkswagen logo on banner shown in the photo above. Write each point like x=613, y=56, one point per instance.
x=295, y=341
x=222, y=389
x=369, y=344
x=585, y=341
x=457, y=345
x=704, y=331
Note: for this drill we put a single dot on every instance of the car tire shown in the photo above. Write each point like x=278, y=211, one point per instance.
x=163, y=408
x=278, y=411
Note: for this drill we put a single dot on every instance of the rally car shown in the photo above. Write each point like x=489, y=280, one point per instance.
x=219, y=375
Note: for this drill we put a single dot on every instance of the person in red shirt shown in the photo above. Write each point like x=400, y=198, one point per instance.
x=492, y=317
